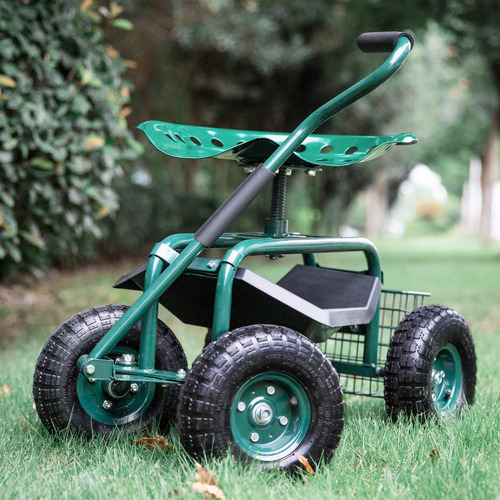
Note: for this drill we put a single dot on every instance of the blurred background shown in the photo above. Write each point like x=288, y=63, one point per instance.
x=84, y=197
x=78, y=183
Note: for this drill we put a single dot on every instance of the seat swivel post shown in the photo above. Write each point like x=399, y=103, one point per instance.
x=276, y=224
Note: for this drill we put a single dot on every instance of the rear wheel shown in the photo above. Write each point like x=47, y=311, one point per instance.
x=431, y=365
x=265, y=392
x=65, y=398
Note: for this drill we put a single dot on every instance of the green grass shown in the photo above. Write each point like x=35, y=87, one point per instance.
x=376, y=458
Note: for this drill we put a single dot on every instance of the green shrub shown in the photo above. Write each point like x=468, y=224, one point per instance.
x=63, y=133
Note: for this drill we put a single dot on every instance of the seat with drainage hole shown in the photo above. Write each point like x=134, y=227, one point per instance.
x=252, y=148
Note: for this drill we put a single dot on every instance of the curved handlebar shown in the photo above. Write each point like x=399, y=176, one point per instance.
x=381, y=41
x=346, y=98
x=258, y=180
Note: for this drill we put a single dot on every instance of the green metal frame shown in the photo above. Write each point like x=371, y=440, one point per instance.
x=239, y=247
x=166, y=264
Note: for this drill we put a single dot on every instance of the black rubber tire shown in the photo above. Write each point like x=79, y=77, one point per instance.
x=226, y=364
x=55, y=378
x=412, y=352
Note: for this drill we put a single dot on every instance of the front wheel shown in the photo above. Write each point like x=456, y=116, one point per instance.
x=65, y=398
x=431, y=365
x=265, y=392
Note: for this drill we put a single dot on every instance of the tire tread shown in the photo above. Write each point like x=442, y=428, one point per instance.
x=411, y=355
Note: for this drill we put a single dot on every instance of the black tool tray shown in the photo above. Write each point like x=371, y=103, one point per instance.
x=304, y=297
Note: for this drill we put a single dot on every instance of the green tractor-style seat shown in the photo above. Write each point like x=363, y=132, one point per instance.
x=251, y=148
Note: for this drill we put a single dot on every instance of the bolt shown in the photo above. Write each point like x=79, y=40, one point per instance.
x=293, y=401
x=283, y=420
x=254, y=437
x=92, y=380
x=107, y=405
x=438, y=377
x=241, y=406
x=127, y=358
x=311, y=173
x=181, y=374
x=90, y=369
x=271, y=390
x=134, y=387
x=211, y=264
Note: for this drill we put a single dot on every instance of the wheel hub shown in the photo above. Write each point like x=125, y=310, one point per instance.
x=437, y=377
x=117, y=390
x=270, y=416
x=262, y=413
x=113, y=402
x=446, y=380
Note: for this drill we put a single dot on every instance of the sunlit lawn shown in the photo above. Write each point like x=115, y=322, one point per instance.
x=376, y=459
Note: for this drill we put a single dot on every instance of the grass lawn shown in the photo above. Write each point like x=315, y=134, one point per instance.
x=376, y=458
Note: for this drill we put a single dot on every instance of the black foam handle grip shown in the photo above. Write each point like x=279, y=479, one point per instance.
x=381, y=41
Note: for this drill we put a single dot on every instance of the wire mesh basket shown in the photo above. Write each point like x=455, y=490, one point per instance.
x=347, y=345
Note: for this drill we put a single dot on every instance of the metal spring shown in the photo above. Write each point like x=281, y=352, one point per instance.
x=278, y=195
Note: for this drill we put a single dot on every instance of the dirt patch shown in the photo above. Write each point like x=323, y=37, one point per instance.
x=22, y=304
x=34, y=301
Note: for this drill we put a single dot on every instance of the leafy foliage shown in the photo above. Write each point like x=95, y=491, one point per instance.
x=63, y=133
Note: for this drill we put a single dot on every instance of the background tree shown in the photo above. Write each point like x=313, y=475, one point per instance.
x=475, y=26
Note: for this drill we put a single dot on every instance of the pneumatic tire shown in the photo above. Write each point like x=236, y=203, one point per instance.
x=431, y=365
x=264, y=392
x=66, y=399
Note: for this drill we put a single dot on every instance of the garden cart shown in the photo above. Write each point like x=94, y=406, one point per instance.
x=269, y=382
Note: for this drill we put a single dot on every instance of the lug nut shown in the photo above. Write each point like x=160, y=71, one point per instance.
x=241, y=406
x=283, y=420
x=181, y=373
x=271, y=390
x=107, y=405
x=90, y=369
x=254, y=437
x=134, y=387
x=127, y=358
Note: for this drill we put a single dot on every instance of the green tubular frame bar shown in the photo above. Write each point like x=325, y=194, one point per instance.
x=211, y=234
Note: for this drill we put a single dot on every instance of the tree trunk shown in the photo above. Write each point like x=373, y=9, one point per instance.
x=376, y=204
x=488, y=179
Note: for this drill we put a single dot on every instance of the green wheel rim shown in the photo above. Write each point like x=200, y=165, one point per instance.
x=269, y=416
x=446, y=379
x=125, y=407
